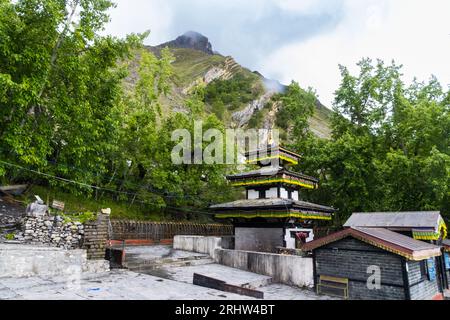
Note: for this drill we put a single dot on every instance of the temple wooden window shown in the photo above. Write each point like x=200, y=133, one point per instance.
x=262, y=193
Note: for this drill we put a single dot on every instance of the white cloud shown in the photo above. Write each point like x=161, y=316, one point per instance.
x=412, y=32
x=306, y=6
x=304, y=40
x=137, y=16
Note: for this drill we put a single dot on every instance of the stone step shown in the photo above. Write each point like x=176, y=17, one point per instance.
x=142, y=265
x=255, y=284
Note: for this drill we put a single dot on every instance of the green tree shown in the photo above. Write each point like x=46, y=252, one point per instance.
x=297, y=106
x=60, y=85
x=390, y=145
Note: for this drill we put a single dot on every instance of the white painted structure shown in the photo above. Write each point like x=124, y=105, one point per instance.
x=284, y=194
x=288, y=269
x=18, y=260
x=272, y=193
x=289, y=238
x=252, y=194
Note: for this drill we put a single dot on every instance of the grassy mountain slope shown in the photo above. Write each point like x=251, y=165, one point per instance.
x=240, y=97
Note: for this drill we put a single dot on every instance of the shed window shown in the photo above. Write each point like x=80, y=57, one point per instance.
x=423, y=270
x=447, y=260
x=431, y=269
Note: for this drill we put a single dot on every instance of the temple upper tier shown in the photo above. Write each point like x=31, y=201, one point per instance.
x=273, y=191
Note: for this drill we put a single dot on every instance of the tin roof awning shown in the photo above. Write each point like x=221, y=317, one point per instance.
x=446, y=244
x=384, y=239
x=425, y=225
x=414, y=219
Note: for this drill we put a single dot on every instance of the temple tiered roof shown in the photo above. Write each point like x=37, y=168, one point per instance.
x=270, y=175
x=272, y=152
x=257, y=208
x=273, y=191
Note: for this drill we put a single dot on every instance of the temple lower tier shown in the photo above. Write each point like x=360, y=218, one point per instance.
x=266, y=224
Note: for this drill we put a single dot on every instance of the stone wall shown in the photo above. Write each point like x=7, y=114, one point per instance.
x=51, y=230
x=55, y=232
x=96, y=236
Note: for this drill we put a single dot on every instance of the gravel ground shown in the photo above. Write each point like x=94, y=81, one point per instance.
x=10, y=214
x=10, y=208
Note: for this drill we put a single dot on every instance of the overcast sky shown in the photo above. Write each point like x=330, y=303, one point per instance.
x=303, y=40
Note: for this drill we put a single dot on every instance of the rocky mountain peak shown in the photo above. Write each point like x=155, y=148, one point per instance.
x=191, y=40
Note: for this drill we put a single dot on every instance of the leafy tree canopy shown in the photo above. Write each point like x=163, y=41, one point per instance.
x=390, y=145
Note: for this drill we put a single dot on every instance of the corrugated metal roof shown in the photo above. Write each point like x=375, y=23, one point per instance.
x=382, y=238
x=446, y=242
x=397, y=239
x=274, y=202
x=411, y=219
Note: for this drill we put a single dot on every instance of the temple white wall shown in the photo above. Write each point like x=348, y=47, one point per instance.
x=253, y=194
x=287, y=269
x=272, y=193
x=290, y=240
x=283, y=193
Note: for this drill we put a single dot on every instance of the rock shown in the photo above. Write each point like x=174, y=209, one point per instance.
x=36, y=210
x=191, y=40
x=213, y=74
x=243, y=117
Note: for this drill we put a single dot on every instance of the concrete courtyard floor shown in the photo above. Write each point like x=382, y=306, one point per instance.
x=167, y=282
x=127, y=285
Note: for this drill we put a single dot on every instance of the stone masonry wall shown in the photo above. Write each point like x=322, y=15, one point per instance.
x=96, y=236
x=51, y=230
x=54, y=232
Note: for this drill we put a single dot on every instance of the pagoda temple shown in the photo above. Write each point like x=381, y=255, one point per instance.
x=273, y=214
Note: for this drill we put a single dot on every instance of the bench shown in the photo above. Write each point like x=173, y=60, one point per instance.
x=333, y=284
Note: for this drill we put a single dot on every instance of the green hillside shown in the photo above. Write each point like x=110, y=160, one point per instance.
x=230, y=90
